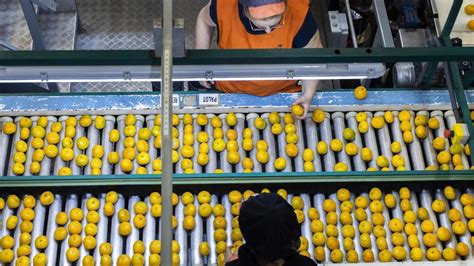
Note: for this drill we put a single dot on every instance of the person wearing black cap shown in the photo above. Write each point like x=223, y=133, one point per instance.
x=271, y=233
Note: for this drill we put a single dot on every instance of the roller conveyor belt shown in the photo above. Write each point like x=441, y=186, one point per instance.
x=339, y=227
x=234, y=152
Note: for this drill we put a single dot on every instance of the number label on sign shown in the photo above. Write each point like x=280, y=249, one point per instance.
x=208, y=99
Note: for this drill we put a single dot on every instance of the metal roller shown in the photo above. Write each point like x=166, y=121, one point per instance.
x=4, y=140
x=270, y=139
x=225, y=165
x=197, y=168
x=414, y=204
x=355, y=223
x=384, y=141
x=107, y=168
x=150, y=122
x=115, y=238
x=440, y=131
x=257, y=167
x=398, y=213
x=93, y=135
x=46, y=163
x=371, y=142
x=326, y=135
x=134, y=234
x=83, y=206
x=212, y=165
x=373, y=245
x=318, y=200
x=149, y=231
x=180, y=233
x=80, y=131
x=197, y=237
x=39, y=224
x=427, y=143
x=358, y=163
x=415, y=149
x=58, y=162
x=306, y=226
x=300, y=144
x=228, y=216
x=210, y=233
x=239, y=127
x=397, y=135
x=138, y=126
x=313, y=139
x=444, y=219
x=15, y=139
x=17, y=232
x=102, y=225
x=72, y=202
x=426, y=201
x=119, y=147
x=466, y=238
x=281, y=139
x=338, y=225
x=52, y=248
x=339, y=126
x=30, y=150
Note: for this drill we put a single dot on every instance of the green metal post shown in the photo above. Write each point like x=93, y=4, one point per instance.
x=448, y=27
x=453, y=15
x=462, y=103
x=166, y=229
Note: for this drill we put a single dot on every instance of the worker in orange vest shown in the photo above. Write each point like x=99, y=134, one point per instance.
x=258, y=24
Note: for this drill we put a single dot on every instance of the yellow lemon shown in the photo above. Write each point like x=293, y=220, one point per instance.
x=363, y=127
x=322, y=148
x=360, y=92
x=377, y=122
x=318, y=116
x=336, y=145
x=297, y=110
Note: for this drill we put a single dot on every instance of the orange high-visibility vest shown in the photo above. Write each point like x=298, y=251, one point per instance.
x=234, y=35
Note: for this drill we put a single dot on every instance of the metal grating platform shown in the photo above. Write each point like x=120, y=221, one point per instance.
x=113, y=25
x=13, y=28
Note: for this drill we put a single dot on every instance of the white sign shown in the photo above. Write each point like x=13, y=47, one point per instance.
x=208, y=99
x=175, y=100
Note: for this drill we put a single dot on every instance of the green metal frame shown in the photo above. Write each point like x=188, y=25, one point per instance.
x=256, y=57
x=240, y=178
x=236, y=57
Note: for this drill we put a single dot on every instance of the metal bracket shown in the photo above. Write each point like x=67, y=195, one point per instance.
x=209, y=75
x=44, y=76
x=290, y=74
x=338, y=29
x=127, y=75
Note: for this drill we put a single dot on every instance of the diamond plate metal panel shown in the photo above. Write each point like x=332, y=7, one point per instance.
x=111, y=87
x=122, y=24
x=116, y=24
x=58, y=29
x=13, y=27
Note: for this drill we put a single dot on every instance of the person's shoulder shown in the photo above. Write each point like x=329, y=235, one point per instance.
x=233, y=263
x=300, y=260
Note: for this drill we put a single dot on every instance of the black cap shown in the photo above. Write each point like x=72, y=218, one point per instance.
x=269, y=226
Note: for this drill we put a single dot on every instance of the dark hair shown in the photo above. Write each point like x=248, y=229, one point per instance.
x=269, y=226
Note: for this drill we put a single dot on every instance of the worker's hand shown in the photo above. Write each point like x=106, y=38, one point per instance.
x=231, y=256
x=304, y=101
x=206, y=84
